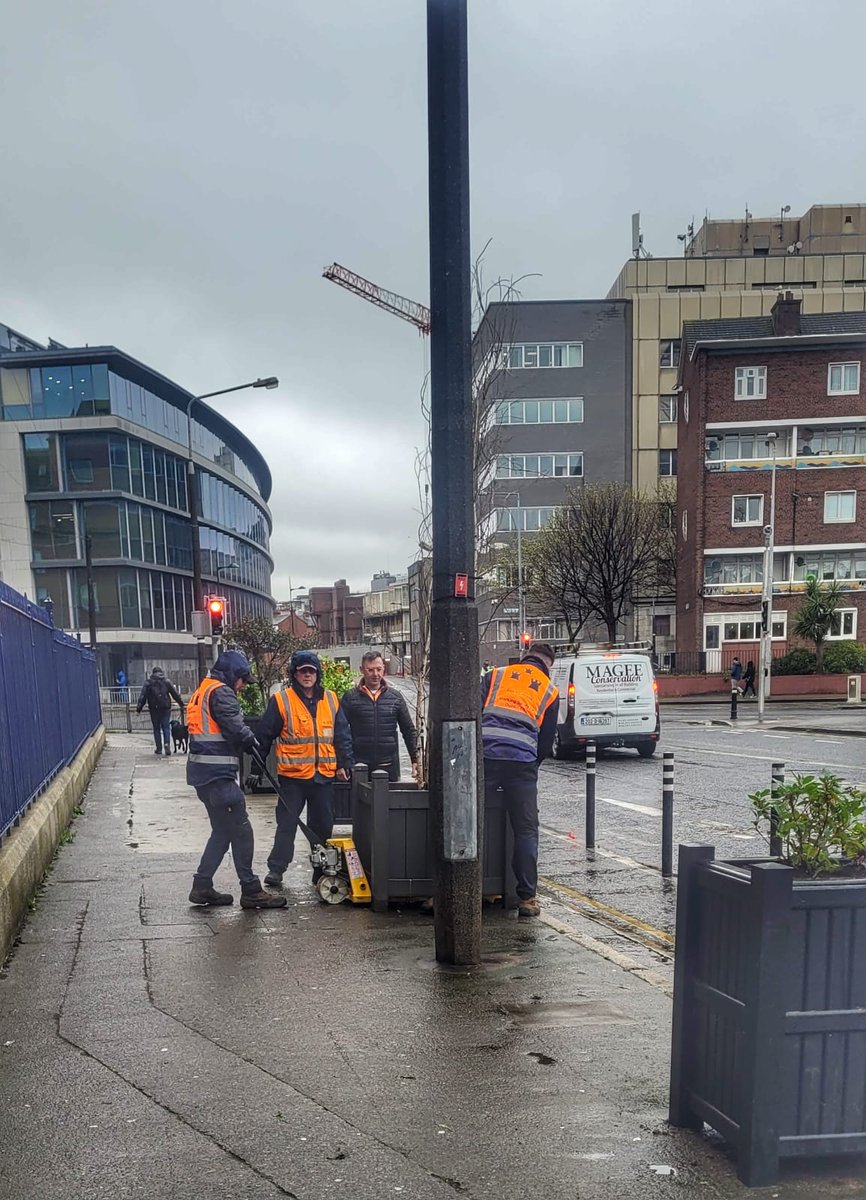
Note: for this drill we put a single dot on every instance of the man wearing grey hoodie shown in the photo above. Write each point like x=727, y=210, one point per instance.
x=158, y=693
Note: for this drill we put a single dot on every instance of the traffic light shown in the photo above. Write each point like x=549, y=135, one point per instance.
x=765, y=605
x=216, y=607
x=524, y=642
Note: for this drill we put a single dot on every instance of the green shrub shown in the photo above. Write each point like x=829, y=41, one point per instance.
x=820, y=819
x=795, y=662
x=845, y=658
x=336, y=675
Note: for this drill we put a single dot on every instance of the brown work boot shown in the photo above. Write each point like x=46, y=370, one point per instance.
x=207, y=896
x=526, y=908
x=262, y=899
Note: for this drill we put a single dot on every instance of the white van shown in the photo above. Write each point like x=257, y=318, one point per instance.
x=607, y=695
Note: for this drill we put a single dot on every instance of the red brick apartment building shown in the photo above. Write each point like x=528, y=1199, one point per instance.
x=799, y=376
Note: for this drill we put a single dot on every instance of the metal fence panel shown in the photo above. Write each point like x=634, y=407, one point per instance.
x=49, y=696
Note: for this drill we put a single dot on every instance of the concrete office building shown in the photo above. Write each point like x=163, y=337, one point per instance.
x=559, y=417
x=94, y=443
x=730, y=269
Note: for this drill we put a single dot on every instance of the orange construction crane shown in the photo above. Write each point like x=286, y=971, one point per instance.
x=410, y=310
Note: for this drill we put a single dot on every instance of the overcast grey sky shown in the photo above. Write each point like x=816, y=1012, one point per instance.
x=176, y=174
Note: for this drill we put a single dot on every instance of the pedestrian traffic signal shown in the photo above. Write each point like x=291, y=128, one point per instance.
x=216, y=607
x=525, y=640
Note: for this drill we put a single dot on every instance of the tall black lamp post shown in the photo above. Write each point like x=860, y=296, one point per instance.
x=455, y=758
x=192, y=498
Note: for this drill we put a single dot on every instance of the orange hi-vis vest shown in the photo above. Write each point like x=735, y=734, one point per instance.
x=304, y=746
x=517, y=699
x=210, y=755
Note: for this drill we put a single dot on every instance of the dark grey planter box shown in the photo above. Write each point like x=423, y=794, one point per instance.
x=769, y=1022
x=392, y=828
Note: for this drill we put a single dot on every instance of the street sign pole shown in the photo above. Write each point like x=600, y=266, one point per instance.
x=455, y=759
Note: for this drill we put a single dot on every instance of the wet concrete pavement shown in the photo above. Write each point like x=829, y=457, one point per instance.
x=151, y=1050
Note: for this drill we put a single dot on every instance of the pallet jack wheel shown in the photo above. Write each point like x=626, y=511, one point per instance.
x=333, y=889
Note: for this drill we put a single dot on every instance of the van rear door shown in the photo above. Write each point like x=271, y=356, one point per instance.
x=595, y=699
x=635, y=696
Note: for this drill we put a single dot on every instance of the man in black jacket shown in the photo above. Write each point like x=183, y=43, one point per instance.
x=375, y=712
x=158, y=693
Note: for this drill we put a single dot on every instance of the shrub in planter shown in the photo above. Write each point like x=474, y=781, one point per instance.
x=845, y=658
x=769, y=1022
x=819, y=822
x=795, y=662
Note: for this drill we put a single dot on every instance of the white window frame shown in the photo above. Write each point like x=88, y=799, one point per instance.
x=672, y=407
x=508, y=520
x=742, y=377
x=720, y=620
x=673, y=462
x=837, y=495
x=759, y=520
x=512, y=407
x=841, y=636
x=534, y=353
x=842, y=391
x=670, y=350
x=513, y=466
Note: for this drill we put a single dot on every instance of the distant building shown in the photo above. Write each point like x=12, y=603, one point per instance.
x=338, y=613
x=559, y=417
x=799, y=375
x=94, y=444
x=386, y=620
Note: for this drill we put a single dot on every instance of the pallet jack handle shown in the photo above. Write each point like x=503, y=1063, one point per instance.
x=313, y=838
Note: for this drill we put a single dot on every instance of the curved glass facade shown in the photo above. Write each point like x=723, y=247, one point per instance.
x=128, y=496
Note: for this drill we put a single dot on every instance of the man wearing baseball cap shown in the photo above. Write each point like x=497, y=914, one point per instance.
x=313, y=746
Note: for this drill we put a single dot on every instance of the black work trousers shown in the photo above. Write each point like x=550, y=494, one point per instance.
x=294, y=794
x=519, y=782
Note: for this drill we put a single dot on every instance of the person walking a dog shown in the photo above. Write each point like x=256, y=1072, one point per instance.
x=217, y=732
x=158, y=693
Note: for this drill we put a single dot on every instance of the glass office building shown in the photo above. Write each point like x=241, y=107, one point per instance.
x=94, y=444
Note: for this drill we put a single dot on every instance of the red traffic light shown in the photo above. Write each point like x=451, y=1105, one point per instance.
x=525, y=639
x=215, y=608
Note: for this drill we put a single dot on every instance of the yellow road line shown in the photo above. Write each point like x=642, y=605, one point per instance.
x=617, y=914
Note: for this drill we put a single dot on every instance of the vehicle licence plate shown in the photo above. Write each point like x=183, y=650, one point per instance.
x=595, y=721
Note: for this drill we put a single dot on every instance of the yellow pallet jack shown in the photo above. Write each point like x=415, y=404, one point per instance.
x=338, y=872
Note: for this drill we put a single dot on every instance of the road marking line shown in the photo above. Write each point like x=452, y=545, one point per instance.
x=830, y=741
x=616, y=913
x=782, y=737
x=641, y=808
x=653, y=978
x=761, y=757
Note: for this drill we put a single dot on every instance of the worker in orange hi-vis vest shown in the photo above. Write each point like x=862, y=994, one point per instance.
x=518, y=727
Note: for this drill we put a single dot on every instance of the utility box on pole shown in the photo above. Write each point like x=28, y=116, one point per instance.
x=200, y=624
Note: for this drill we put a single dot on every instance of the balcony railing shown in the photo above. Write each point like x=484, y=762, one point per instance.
x=781, y=587
x=799, y=462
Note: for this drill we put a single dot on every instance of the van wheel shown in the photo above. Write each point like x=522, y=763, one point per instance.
x=646, y=749
x=559, y=750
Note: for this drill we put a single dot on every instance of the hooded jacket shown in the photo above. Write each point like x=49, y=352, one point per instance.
x=220, y=705
x=158, y=694
x=270, y=726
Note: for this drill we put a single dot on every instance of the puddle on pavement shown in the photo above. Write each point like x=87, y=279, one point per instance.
x=567, y=1012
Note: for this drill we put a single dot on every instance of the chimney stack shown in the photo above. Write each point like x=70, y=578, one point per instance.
x=786, y=315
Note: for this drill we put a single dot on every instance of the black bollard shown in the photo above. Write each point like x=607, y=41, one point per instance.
x=735, y=692
x=777, y=777
x=590, y=795
x=668, y=814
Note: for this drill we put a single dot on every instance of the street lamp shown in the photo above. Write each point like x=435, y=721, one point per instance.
x=767, y=588
x=192, y=498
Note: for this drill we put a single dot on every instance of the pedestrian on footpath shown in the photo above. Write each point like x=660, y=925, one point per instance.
x=518, y=727
x=749, y=679
x=158, y=693
x=736, y=672
x=217, y=733
x=314, y=746
x=375, y=712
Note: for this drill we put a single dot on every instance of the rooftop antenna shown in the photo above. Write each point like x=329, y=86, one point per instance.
x=637, y=246
x=687, y=238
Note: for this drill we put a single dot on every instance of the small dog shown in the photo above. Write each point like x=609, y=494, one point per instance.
x=180, y=736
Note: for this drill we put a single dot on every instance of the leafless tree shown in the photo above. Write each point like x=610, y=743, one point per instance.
x=606, y=548
x=493, y=327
